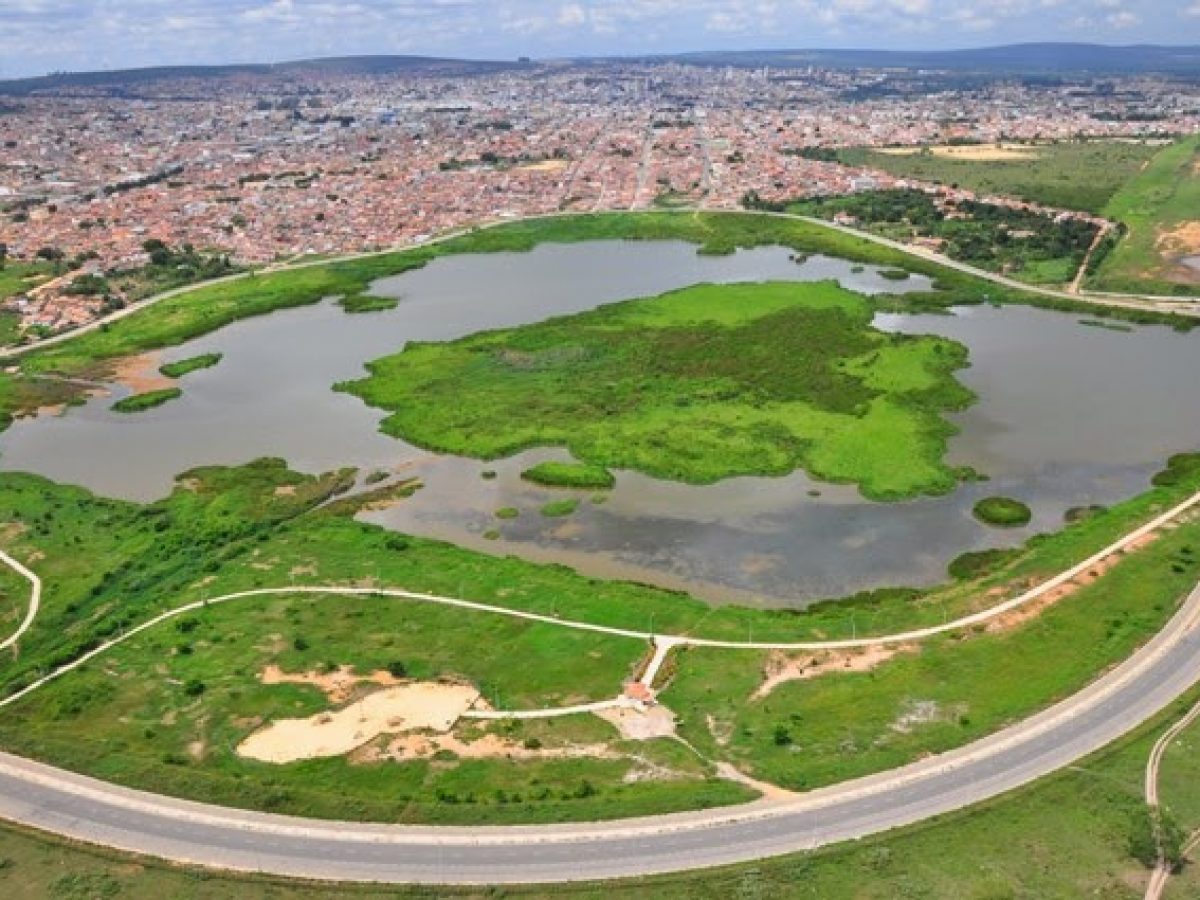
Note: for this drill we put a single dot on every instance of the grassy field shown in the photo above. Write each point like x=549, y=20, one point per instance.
x=950, y=691
x=698, y=385
x=187, y=366
x=1157, y=205
x=1066, y=836
x=166, y=710
x=1083, y=175
x=211, y=307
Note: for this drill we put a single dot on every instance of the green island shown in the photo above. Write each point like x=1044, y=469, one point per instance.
x=187, y=366
x=559, y=509
x=571, y=475
x=207, y=308
x=137, y=403
x=366, y=303
x=698, y=385
x=1003, y=512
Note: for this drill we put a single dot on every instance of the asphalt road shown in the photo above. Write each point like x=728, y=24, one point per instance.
x=88, y=810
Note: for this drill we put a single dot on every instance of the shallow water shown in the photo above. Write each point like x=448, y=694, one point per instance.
x=1068, y=416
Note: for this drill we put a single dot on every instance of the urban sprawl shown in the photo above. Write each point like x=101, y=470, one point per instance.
x=263, y=169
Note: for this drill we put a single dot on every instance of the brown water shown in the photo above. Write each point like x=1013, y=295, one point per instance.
x=1068, y=416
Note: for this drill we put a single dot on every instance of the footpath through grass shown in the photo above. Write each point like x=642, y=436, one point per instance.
x=698, y=385
x=1161, y=208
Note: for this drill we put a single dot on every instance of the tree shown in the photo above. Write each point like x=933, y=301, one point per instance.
x=3, y=255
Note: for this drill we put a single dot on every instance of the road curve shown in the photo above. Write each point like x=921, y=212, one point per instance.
x=88, y=810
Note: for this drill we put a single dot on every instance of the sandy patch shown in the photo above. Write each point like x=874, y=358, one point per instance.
x=408, y=707
x=1183, y=240
x=490, y=746
x=285, y=490
x=721, y=731
x=140, y=373
x=546, y=165
x=769, y=791
x=338, y=685
x=782, y=668
x=636, y=725
x=971, y=152
x=1035, y=608
x=926, y=712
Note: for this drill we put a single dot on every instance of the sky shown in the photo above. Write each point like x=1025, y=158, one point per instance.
x=38, y=36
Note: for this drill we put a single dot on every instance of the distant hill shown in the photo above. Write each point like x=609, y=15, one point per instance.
x=127, y=79
x=1057, y=59
x=1015, y=59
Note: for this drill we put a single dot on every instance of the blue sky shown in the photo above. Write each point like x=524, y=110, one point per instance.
x=42, y=35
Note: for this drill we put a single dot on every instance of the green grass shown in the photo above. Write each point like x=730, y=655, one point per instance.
x=698, y=385
x=194, y=364
x=949, y=692
x=508, y=512
x=108, y=565
x=141, y=402
x=1003, y=512
x=365, y=303
x=571, y=475
x=18, y=277
x=1160, y=199
x=560, y=509
x=1082, y=175
x=149, y=726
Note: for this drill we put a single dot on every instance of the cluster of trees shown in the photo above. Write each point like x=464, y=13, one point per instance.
x=982, y=234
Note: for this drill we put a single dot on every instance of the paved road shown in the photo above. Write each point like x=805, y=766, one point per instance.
x=93, y=811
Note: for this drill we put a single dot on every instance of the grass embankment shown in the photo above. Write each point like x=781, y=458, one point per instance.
x=194, y=364
x=150, y=400
x=1003, y=512
x=571, y=475
x=166, y=710
x=698, y=385
x=208, y=308
x=1082, y=175
x=1157, y=206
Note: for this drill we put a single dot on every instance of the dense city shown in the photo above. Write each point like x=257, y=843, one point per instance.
x=255, y=169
